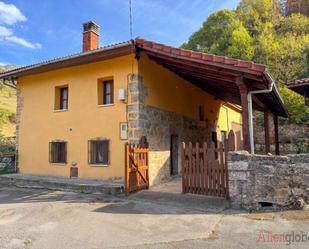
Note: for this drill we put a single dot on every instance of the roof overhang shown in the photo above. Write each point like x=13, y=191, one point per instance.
x=99, y=54
x=300, y=86
x=216, y=74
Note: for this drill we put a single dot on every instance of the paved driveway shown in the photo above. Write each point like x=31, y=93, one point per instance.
x=46, y=219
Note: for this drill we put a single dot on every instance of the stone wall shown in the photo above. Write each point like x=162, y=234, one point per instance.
x=19, y=107
x=158, y=125
x=7, y=164
x=256, y=181
x=293, y=138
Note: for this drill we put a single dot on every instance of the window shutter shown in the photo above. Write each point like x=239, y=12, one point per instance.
x=108, y=152
x=89, y=152
x=65, y=152
x=50, y=152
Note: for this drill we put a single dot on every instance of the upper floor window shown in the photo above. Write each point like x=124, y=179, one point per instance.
x=105, y=92
x=61, y=98
x=58, y=152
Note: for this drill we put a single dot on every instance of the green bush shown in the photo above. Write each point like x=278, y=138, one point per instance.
x=7, y=145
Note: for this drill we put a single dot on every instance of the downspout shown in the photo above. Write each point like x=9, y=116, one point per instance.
x=250, y=111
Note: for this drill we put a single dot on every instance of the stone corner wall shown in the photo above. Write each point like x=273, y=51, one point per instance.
x=19, y=107
x=256, y=181
x=158, y=125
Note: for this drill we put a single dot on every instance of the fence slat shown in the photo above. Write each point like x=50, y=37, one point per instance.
x=204, y=169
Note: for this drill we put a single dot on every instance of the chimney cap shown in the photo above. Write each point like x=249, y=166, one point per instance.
x=91, y=26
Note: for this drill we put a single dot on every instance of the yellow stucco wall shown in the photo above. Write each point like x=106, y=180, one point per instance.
x=40, y=124
x=84, y=120
x=171, y=92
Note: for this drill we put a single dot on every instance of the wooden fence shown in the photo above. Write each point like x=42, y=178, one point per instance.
x=136, y=168
x=204, y=167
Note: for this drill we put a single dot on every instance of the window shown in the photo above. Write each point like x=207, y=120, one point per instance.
x=201, y=113
x=108, y=92
x=98, y=152
x=61, y=98
x=58, y=152
x=64, y=92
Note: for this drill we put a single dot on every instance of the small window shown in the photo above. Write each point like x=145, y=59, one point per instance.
x=108, y=92
x=202, y=113
x=105, y=91
x=58, y=152
x=61, y=98
x=98, y=152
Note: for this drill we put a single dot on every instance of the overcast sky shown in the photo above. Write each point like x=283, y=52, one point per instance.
x=35, y=30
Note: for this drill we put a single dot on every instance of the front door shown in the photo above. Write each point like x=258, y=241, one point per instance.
x=174, y=155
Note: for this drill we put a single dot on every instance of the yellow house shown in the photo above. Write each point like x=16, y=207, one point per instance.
x=81, y=109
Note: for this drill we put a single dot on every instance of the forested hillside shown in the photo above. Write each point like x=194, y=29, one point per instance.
x=7, y=109
x=257, y=30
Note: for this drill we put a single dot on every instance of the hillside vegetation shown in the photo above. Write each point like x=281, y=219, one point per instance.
x=7, y=110
x=259, y=31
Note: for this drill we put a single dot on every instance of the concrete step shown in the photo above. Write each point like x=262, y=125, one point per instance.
x=187, y=201
x=62, y=183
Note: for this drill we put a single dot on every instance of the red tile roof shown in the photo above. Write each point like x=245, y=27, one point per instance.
x=150, y=45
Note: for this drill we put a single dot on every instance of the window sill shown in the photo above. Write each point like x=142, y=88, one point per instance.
x=59, y=164
x=61, y=110
x=105, y=105
x=99, y=165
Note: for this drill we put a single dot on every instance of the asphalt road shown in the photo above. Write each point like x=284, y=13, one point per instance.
x=46, y=219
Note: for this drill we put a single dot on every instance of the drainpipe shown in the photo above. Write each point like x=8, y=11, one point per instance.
x=249, y=96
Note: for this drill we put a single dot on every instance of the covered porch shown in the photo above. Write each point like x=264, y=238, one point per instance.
x=244, y=83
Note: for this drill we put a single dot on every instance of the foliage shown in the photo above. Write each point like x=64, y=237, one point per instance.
x=7, y=145
x=258, y=31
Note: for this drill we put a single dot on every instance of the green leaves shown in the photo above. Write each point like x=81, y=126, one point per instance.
x=258, y=31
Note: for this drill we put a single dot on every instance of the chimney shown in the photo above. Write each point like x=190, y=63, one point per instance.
x=90, y=36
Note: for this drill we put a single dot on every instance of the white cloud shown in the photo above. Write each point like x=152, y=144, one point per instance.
x=10, y=14
x=8, y=35
x=2, y=64
x=5, y=31
x=22, y=42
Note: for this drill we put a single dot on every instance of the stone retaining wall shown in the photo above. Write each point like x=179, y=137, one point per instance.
x=7, y=164
x=256, y=181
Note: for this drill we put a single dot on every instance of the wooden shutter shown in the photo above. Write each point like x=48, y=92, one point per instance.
x=50, y=152
x=89, y=152
x=65, y=152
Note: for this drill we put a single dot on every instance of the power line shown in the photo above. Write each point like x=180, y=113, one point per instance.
x=130, y=17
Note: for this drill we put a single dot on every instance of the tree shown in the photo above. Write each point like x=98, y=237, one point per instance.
x=222, y=34
x=258, y=31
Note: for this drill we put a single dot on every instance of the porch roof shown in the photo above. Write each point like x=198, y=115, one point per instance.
x=300, y=86
x=216, y=75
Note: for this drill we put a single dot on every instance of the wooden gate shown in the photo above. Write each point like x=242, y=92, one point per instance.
x=136, y=168
x=204, y=168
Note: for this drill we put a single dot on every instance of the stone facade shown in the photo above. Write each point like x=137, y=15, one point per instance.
x=158, y=125
x=19, y=107
x=256, y=181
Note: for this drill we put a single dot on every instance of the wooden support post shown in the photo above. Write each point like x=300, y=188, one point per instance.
x=266, y=131
x=245, y=114
x=276, y=135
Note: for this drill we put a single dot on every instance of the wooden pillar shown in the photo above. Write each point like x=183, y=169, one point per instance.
x=276, y=135
x=266, y=130
x=245, y=114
